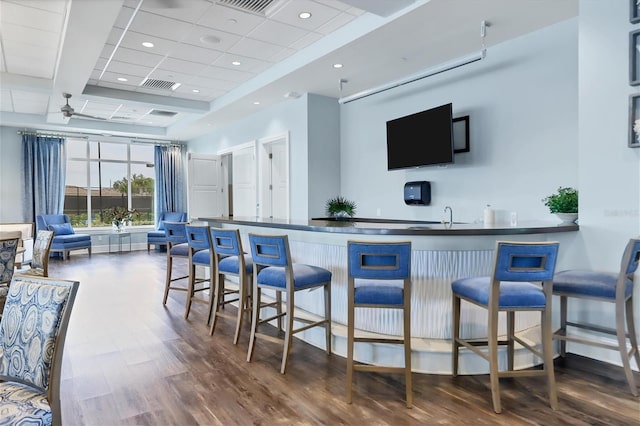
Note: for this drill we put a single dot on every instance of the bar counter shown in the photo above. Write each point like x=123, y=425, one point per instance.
x=441, y=253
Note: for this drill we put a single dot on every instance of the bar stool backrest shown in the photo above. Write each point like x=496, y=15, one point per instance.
x=525, y=261
x=270, y=250
x=631, y=257
x=226, y=242
x=175, y=232
x=198, y=237
x=382, y=261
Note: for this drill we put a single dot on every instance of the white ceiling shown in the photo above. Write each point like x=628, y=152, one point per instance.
x=83, y=47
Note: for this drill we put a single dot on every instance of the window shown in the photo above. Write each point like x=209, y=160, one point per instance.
x=102, y=175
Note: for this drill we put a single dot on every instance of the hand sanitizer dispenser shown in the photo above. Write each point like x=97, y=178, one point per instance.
x=417, y=193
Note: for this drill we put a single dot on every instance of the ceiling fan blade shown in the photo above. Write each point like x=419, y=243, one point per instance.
x=77, y=114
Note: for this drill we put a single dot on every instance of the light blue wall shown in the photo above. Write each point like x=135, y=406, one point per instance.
x=11, y=209
x=523, y=106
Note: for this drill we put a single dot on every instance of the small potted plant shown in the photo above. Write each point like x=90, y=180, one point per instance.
x=564, y=204
x=340, y=208
x=119, y=217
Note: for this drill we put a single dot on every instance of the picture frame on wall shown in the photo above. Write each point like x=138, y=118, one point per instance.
x=634, y=58
x=634, y=121
x=634, y=11
x=461, y=134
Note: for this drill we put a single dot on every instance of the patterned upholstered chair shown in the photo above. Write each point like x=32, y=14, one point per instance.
x=230, y=260
x=32, y=334
x=609, y=287
x=8, y=246
x=380, y=278
x=65, y=238
x=157, y=237
x=512, y=288
x=275, y=270
x=40, y=260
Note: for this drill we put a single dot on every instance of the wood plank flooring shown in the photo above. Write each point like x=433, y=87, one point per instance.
x=129, y=360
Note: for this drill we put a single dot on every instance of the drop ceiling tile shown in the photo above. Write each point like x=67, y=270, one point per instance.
x=161, y=74
x=125, y=69
x=134, y=40
x=336, y=4
x=113, y=85
x=335, y=23
x=282, y=55
x=180, y=66
x=112, y=78
x=138, y=57
x=30, y=103
x=204, y=94
x=208, y=81
x=31, y=17
x=225, y=74
x=30, y=36
x=320, y=14
x=189, y=11
x=277, y=33
x=123, y=18
x=250, y=65
x=197, y=54
x=230, y=20
x=305, y=41
x=255, y=49
x=55, y=6
x=197, y=32
x=159, y=26
x=114, y=35
x=107, y=50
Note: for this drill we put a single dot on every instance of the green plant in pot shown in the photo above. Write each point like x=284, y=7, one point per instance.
x=564, y=204
x=340, y=208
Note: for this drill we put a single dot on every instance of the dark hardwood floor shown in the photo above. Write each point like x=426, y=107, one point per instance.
x=129, y=360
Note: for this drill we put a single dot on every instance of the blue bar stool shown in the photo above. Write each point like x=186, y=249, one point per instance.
x=200, y=254
x=230, y=260
x=606, y=287
x=379, y=277
x=177, y=246
x=273, y=269
x=510, y=289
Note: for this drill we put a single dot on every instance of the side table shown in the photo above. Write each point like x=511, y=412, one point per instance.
x=117, y=237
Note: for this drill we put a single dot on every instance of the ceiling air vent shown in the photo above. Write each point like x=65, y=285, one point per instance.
x=258, y=7
x=159, y=84
x=161, y=113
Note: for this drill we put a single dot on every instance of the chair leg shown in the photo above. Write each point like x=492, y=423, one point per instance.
x=510, y=342
x=327, y=316
x=547, y=349
x=455, y=334
x=168, y=279
x=631, y=329
x=190, y=290
x=214, y=303
x=492, y=343
x=242, y=295
x=212, y=293
x=350, y=343
x=563, y=325
x=254, y=320
x=279, y=309
x=288, y=336
x=407, y=350
x=622, y=343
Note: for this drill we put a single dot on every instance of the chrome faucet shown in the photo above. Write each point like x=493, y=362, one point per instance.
x=450, y=222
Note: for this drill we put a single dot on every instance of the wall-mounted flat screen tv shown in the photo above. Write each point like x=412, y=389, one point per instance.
x=421, y=139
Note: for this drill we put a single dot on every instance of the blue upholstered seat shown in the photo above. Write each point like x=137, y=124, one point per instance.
x=32, y=333
x=230, y=260
x=178, y=247
x=275, y=270
x=157, y=237
x=379, y=276
x=521, y=281
x=64, y=237
x=609, y=287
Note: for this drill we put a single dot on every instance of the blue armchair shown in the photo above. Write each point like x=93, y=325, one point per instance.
x=157, y=237
x=64, y=237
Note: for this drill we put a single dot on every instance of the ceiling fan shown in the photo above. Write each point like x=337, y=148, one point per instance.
x=68, y=112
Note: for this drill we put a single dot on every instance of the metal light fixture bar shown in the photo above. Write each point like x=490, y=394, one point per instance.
x=429, y=73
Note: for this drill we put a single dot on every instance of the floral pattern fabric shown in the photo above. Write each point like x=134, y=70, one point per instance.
x=7, y=258
x=41, y=248
x=22, y=405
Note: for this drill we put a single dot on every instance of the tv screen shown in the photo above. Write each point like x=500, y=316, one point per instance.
x=421, y=139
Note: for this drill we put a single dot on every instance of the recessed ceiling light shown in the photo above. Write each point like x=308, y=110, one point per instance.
x=256, y=103
x=122, y=79
x=147, y=44
x=195, y=91
x=304, y=15
x=337, y=65
x=236, y=63
x=210, y=39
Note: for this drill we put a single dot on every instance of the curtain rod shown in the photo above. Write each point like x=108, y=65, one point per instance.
x=94, y=135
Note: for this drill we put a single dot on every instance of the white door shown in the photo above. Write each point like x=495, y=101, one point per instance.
x=204, y=174
x=274, y=177
x=244, y=182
